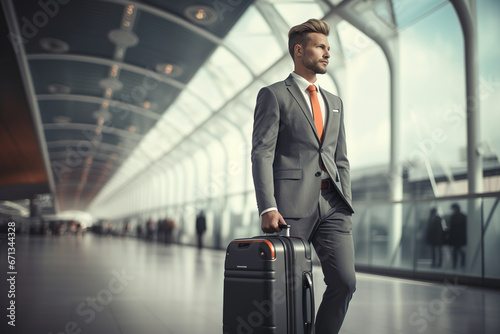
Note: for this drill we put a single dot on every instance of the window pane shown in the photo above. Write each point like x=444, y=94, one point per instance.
x=203, y=84
x=491, y=233
x=407, y=11
x=433, y=105
x=366, y=99
x=255, y=42
x=228, y=72
x=296, y=13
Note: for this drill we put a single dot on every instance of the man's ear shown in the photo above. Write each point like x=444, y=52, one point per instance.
x=297, y=50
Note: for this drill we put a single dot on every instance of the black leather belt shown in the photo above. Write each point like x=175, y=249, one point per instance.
x=326, y=184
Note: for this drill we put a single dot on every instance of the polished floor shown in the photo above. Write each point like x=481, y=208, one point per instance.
x=114, y=285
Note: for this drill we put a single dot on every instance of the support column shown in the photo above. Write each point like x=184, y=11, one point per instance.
x=466, y=11
x=395, y=164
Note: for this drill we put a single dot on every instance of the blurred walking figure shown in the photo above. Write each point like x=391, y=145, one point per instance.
x=201, y=227
x=161, y=230
x=435, y=237
x=138, y=230
x=458, y=234
x=126, y=228
x=150, y=229
x=169, y=230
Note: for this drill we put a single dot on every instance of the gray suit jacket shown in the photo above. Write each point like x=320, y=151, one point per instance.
x=287, y=152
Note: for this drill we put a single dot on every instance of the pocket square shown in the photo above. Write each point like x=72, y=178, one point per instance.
x=335, y=110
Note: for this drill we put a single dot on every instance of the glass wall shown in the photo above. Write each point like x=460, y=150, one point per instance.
x=365, y=92
x=457, y=249
x=433, y=103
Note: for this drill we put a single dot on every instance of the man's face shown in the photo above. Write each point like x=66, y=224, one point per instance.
x=316, y=53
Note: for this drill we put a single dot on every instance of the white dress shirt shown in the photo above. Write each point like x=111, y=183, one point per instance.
x=303, y=84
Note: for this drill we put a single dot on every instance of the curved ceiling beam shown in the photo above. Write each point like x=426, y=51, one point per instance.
x=61, y=155
x=99, y=100
x=94, y=173
x=275, y=21
x=72, y=185
x=75, y=143
x=91, y=127
x=110, y=63
x=99, y=165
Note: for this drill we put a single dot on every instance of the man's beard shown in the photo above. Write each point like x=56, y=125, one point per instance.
x=315, y=66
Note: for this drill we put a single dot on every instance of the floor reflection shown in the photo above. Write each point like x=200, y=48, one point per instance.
x=124, y=285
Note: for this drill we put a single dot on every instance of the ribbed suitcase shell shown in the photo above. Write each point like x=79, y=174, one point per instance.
x=268, y=286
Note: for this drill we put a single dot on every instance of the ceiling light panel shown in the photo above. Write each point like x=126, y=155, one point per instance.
x=54, y=45
x=59, y=89
x=202, y=15
x=81, y=78
x=122, y=37
x=78, y=112
x=169, y=69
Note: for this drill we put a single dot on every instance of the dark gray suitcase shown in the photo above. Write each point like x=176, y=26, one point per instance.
x=268, y=286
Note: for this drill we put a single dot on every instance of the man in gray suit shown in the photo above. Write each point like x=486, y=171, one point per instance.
x=300, y=167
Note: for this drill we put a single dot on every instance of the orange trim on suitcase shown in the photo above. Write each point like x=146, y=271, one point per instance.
x=269, y=243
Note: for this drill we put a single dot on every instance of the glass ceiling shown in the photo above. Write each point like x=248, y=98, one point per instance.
x=407, y=11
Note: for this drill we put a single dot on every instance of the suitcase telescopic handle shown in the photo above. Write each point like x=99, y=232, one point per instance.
x=308, y=284
x=286, y=227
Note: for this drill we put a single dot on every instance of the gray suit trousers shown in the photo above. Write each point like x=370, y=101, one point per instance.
x=332, y=240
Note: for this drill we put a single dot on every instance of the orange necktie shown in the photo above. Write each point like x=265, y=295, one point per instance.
x=318, y=118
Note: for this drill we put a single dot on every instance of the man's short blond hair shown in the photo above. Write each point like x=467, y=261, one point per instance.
x=298, y=33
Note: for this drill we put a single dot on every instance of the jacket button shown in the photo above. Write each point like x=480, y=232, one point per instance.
x=320, y=150
x=318, y=174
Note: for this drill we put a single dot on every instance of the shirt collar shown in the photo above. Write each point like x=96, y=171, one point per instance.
x=303, y=83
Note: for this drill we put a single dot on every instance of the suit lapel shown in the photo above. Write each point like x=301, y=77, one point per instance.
x=327, y=115
x=299, y=98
